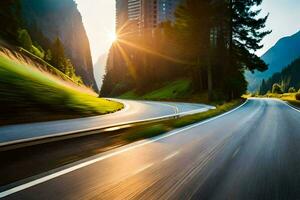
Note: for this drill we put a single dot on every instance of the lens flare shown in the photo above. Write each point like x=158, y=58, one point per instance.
x=112, y=37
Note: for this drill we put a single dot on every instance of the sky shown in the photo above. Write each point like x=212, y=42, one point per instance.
x=99, y=21
x=284, y=20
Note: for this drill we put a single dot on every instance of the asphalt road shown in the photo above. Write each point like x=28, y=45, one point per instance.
x=250, y=153
x=134, y=110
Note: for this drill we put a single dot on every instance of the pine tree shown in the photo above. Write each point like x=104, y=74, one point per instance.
x=25, y=39
x=246, y=32
x=263, y=88
x=194, y=25
x=10, y=19
x=58, y=55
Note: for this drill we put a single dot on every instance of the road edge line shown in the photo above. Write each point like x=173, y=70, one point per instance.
x=108, y=155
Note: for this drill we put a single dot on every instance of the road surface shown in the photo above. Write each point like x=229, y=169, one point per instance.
x=250, y=153
x=133, y=111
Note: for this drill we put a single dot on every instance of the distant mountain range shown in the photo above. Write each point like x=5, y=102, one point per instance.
x=283, y=53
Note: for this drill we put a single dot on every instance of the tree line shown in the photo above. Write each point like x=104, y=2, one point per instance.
x=287, y=80
x=211, y=42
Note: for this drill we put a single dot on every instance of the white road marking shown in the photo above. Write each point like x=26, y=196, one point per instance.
x=235, y=152
x=292, y=107
x=106, y=156
x=142, y=169
x=100, y=127
x=116, y=128
x=175, y=108
x=171, y=156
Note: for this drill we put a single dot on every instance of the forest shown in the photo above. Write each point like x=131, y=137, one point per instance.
x=211, y=43
x=287, y=80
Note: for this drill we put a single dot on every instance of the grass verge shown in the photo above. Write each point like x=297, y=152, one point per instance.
x=28, y=94
x=288, y=97
x=157, y=128
x=176, y=90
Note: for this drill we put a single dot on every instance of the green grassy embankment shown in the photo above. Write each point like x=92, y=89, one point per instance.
x=179, y=90
x=30, y=94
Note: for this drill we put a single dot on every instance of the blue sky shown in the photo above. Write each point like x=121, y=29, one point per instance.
x=99, y=20
x=284, y=20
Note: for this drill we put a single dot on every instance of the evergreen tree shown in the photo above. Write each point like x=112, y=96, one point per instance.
x=245, y=35
x=193, y=26
x=10, y=19
x=25, y=39
x=263, y=88
x=58, y=55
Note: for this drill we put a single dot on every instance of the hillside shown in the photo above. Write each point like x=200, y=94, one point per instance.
x=46, y=21
x=288, y=77
x=285, y=51
x=28, y=88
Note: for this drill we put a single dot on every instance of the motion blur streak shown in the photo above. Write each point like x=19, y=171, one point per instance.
x=255, y=157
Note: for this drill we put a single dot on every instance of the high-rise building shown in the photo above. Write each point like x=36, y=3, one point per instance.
x=121, y=13
x=144, y=14
x=166, y=10
x=134, y=9
x=128, y=15
x=149, y=14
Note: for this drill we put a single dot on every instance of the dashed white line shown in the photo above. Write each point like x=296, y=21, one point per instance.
x=235, y=152
x=142, y=169
x=171, y=156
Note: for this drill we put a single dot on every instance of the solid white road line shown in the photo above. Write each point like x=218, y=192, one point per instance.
x=106, y=156
x=292, y=107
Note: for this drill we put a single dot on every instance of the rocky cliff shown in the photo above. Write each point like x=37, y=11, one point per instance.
x=48, y=19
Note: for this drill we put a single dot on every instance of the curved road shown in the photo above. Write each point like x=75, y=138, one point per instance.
x=250, y=153
x=133, y=111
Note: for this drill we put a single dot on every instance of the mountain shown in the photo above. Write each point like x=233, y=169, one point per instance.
x=288, y=77
x=99, y=69
x=48, y=19
x=285, y=51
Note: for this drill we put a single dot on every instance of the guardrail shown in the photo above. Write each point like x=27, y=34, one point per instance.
x=90, y=131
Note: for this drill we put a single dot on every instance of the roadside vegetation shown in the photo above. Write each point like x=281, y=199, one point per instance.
x=175, y=90
x=54, y=57
x=31, y=94
x=284, y=85
x=179, y=90
x=292, y=96
x=157, y=128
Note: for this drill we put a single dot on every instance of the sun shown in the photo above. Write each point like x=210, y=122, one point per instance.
x=113, y=37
